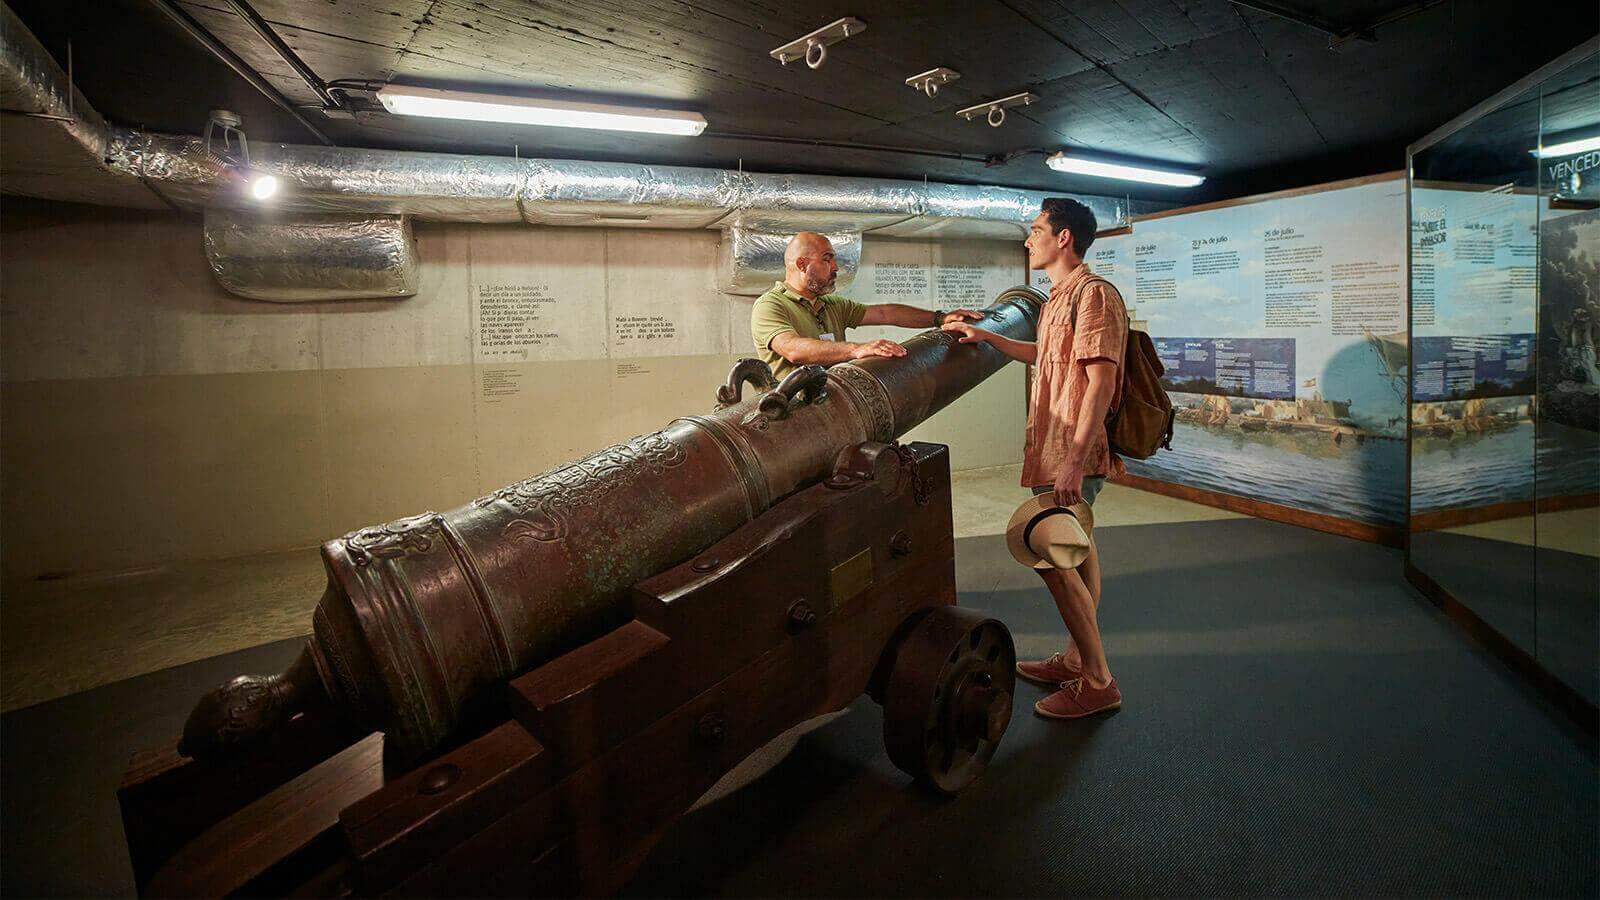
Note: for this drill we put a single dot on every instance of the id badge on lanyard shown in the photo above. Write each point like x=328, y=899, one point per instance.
x=824, y=333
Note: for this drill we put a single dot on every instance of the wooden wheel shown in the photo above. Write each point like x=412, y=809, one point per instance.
x=947, y=700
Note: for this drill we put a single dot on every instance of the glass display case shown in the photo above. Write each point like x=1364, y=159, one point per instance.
x=1504, y=438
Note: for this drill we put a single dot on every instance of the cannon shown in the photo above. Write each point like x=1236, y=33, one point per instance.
x=520, y=695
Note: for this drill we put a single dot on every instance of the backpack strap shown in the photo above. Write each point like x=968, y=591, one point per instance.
x=1122, y=364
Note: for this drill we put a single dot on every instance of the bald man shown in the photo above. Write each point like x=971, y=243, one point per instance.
x=801, y=321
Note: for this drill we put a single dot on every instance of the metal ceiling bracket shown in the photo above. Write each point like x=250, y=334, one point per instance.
x=813, y=48
x=930, y=81
x=995, y=110
x=225, y=138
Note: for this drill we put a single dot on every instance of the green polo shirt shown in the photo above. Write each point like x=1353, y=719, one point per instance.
x=781, y=309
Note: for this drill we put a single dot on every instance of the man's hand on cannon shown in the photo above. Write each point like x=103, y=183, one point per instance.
x=879, y=347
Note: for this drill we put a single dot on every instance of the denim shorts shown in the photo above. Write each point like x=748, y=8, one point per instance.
x=1091, y=488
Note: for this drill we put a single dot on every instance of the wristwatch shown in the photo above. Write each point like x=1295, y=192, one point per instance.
x=938, y=317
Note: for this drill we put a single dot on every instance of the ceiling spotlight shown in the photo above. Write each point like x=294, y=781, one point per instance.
x=1077, y=165
x=432, y=103
x=264, y=187
x=1567, y=148
x=226, y=143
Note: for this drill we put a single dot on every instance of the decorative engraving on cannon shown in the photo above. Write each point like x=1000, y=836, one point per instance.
x=873, y=401
x=548, y=501
x=394, y=539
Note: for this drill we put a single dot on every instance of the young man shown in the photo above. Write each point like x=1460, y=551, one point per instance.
x=1083, y=330
x=801, y=321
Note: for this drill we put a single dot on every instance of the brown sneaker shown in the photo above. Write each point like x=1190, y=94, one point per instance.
x=1078, y=698
x=1049, y=672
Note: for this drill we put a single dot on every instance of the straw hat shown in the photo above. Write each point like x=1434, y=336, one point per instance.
x=1043, y=535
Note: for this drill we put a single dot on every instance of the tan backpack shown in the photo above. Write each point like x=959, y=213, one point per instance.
x=1143, y=423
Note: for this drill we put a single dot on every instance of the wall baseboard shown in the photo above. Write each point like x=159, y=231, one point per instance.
x=1455, y=518
x=1387, y=535
x=1584, y=714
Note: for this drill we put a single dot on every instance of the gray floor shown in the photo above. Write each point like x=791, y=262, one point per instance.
x=1297, y=722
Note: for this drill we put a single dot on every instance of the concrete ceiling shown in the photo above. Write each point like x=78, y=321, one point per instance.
x=1253, y=100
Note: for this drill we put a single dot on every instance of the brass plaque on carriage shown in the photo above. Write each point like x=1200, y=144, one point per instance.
x=852, y=576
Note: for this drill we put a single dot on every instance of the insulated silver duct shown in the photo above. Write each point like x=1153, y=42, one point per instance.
x=55, y=143
x=310, y=258
x=749, y=260
x=450, y=187
x=31, y=83
x=63, y=150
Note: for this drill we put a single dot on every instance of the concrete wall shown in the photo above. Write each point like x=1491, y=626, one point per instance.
x=148, y=416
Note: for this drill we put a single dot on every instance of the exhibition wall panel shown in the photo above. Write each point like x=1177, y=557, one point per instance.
x=1280, y=321
x=151, y=417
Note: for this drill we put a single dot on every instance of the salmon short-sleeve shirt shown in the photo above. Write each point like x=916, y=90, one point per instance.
x=1059, y=379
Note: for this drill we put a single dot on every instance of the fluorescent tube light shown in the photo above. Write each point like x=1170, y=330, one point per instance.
x=1568, y=148
x=437, y=104
x=1061, y=162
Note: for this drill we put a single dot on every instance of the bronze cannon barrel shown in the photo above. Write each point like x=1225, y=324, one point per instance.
x=422, y=614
